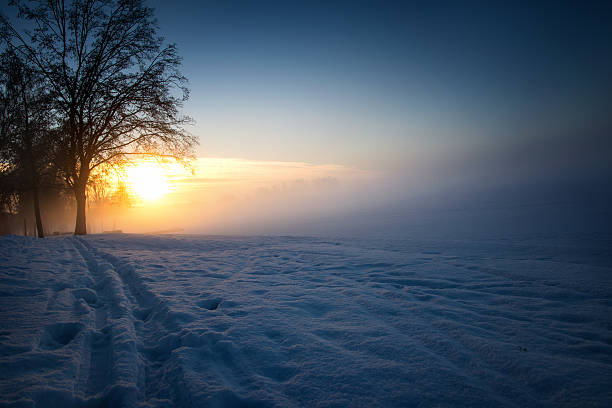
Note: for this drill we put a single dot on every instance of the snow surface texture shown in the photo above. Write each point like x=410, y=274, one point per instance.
x=128, y=320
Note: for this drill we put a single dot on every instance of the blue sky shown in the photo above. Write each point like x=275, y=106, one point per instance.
x=380, y=84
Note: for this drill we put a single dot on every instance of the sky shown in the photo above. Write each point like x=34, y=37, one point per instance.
x=316, y=116
x=491, y=104
x=380, y=85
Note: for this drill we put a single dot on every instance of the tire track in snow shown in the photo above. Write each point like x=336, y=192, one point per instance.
x=114, y=365
x=145, y=327
x=98, y=367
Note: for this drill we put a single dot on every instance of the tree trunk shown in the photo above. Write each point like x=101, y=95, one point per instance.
x=39, y=226
x=35, y=196
x=81, y=201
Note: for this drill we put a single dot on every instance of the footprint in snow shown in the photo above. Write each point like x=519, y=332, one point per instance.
x=59, y=334
x=210, y=304
x=86, y=294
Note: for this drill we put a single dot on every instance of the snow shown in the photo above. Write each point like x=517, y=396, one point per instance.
x=163, y=321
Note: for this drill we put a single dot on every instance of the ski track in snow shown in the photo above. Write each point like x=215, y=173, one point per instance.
x=179, y=321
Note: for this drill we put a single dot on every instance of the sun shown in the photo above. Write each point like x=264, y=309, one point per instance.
x=147, y=180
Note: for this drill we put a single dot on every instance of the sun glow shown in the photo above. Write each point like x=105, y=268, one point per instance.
x=147, y=180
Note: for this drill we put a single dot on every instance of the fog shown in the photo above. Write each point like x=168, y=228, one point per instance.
x=543, y=185
x=238, y=196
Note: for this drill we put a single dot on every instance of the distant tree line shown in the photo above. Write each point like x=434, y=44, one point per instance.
x=83, y=85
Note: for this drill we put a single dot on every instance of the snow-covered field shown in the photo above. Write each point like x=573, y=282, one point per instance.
x=163, y=321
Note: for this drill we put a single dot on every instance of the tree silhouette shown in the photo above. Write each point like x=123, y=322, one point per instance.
x=116, y=89
x=25, y=141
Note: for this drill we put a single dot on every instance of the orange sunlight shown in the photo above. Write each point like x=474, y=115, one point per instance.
x=218, y=194
x=147, y=180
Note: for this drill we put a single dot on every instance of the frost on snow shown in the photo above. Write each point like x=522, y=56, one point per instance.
x=128, y=320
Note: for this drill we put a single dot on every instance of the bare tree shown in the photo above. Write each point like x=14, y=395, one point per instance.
x=116, y=87
x=24, y=138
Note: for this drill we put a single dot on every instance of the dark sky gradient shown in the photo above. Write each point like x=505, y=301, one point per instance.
x=360, y=82
x=380, y=85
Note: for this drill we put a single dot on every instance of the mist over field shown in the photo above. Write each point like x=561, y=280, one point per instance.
x=552, y=187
